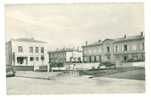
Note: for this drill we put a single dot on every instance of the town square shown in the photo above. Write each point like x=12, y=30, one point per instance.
x=75, y=49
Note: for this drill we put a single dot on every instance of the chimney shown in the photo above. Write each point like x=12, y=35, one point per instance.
x=99, y=41
x=125, y=36
x=142, y=33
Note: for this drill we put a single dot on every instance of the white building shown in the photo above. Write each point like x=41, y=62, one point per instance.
x=27, y=52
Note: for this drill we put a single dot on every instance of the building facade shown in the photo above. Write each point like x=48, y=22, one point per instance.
x=125, y=49
x=129, y=49
x=100, y=51
x=92, y=52
x=26, y=52
x=59, y=57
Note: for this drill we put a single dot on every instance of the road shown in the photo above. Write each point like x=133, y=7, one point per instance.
x=134, y=74
x=73, y=85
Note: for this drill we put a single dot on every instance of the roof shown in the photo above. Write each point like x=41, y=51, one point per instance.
x=125, y=38
x=64, y=50
x=93, y=44
x=108, y=40
x=28, y=40
x=97, y=43
x=136, y=37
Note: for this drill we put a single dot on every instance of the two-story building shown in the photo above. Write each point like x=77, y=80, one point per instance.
x=129, y=48
x=26, y=52
x=99, y=51
x=125, y=49
x=92, y=52
x=58, y=58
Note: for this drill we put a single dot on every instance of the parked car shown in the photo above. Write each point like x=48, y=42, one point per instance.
x=10, y=71
x=106, y=65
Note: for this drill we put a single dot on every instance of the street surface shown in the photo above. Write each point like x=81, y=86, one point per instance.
x=69, y=84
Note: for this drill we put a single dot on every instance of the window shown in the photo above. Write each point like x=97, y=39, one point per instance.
x=85, y=59
x=143, y=46
x=20, y=60
x=20, y=49
x=31, y=49
x=71, y=59
x=37, y=50
x=100, y=58
x=125, y=47
x=116, y=48
x=90, y=58
x=143, y=58
x=79, y=59
x=125, y=58
x=97, y=58
x=108, y=49
x=94, y=58
x=37, y=58
x=42, y=49
x=31, y=58
x=42, y=58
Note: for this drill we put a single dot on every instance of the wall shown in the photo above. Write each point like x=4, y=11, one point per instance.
x=26, y=53
x=8, y=53
x=131, y=64
x=134, y=48
x=81, y=66
x=74, y=54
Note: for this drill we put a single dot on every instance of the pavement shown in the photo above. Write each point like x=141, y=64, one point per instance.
x=38, y=75
x=69, y=84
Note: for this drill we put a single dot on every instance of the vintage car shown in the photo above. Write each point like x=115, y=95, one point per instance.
x=10, y=71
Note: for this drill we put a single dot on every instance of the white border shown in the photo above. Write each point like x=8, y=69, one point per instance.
x=67, y=1
x=89, y=97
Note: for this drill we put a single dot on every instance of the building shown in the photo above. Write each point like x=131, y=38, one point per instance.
x=99, y=51
x=60, y=57
x=26, y=52
x=123, y=49
x=129, y=49
x=92, y=52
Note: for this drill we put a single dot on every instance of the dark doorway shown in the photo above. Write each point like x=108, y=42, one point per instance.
x=20, y=60
x=125, y=58
x=125, y=47
x=100, y=58
x=90, y=59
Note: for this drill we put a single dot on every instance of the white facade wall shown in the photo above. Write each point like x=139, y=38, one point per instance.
x=74, y=54
x=28, y=54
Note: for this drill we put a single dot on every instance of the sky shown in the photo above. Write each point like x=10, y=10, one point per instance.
x=70, y=25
